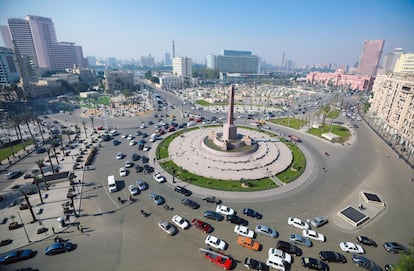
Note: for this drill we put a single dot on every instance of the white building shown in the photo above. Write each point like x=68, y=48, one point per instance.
x=405, y=63
x=231, y=61
x=182, y=67
x=8, y=70
x=171, y=82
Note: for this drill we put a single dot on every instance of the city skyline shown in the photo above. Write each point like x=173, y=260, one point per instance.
x=317, y=32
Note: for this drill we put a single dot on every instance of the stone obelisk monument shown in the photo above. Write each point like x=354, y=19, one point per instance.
x=229, y=128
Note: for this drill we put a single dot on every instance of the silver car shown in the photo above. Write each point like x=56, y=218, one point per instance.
x=167, y=227
x=265, y=230
x=318, y=221
x=300, y=240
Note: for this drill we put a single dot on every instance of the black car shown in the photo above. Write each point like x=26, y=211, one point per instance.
x=148, y=169
x=212, y=200
x=394, y=247
x=251, y=263
x=252, y=213
x=213, y=215
x=366, y=241
x=144, y=159
x=136, y=157
x=17, y=255
x=365, y=263
x=312, y=263
x=190, y=203
x=116, y=142
x=288, y=248
x=138, y=168
x=235, y=219
x=182, y=190
x=40, y=150
x=332, y=256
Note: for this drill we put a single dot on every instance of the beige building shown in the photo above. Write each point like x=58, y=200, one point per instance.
x=392, y=105
x=405, y=63
x=118, y=80
x=182, y=67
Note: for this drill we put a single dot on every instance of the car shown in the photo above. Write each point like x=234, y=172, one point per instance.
x=315, y=264
x=204, y=226
x=389, y=267
x=130, y=137
x=366, y=263
x=254, y=264
x=288, y=248
x=265, y=230
x=243, y=231
x=318, y=221
x=148, y=169
x=220, y=259
x=132, y=142
x=366, y=241
x=158, y=177
x=190, y=203
x=138, y=168
x=167, y=227
x=13, y=174
x=212, y=199
x=180, y=222
x=248, y=243
x=314, y=235
x=298, y=223
x=122, y=172
x=394, y=247
x=40, y=150
x=135, y=157
x=129, y=164
x=215, y=242
x=300, y=240
x=285, y=257
x=252, y=213
x=332, y=256
x=16, y=256
x=275, y=262
x=120, y=155
x=182, y=190
x=156, y=198
x=116, y=142
x=142, y=185
x=124, y=135
x=213, y=215
x=235, y=219
x=59, y=247
x=351, y=247
x=221, y=209
x=146, y=148
x=133, y=190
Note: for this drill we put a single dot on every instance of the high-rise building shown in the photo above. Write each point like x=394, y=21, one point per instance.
x=389, y=60
x=232, y=61
x=118, y=80
x=35, y=38
x=8, y=69
x=370, y=57
x=168, y=60
x=147, y=61
x=182, y=67
x=5, y=33
x=405, y=63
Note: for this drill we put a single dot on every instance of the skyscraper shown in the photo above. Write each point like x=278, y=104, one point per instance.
x=233, y=61
x=168, y=60
x=370, y=57
x=182, y=67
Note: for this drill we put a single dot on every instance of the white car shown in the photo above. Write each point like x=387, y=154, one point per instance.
x=215, y=242
x=286, y=257
x=128, y=164
x=124, y=135
x=141, y=185
x=351, y=247
x=132, y=143
x=224, y=210
x=180, y=222
x=314, y=235
x=142, y=126
x=119, y=156
x=298, y=223
x=243, y=231
x=159, y=178
x=275, y=263
x=122, y=172
x=130, y=137
x=146, y=148
x=133, y=189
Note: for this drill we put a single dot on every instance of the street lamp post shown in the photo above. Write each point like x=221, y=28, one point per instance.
x=24, y=228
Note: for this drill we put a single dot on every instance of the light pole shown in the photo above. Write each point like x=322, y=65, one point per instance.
x=24, y=228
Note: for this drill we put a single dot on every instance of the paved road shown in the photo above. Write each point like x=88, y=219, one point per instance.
x=118, y=238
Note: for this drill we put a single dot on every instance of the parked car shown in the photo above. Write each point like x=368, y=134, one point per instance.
x=213, y=215
x=220, y=259
x=243, y=231
x=298, y=223
x=318, y=221
x=142, y=185
x=190, y=203
x=315, y=264
x=332, y=256
x=167, y=227
x=235, y=219
x=394, y=247
x=180, y=222
x=300, y=240
x=248, y=243
x=267, y=231
x=314, y=235
x=182, y=190
x=351, y=247
x=156, y=198
x=122, y=172
x=16, y=256
x=366, y=241
x=120, y=155
x=13, y=174
x=158, y=177
x=254, y=264
x=289, y=248
x=252, y=213
x=365, y=263
x=59, y=247
x=221, y=209
x=215, y=242
x=135, y=157
x=133, y=190
x=212, y=199
x=204, y=226
x=285, y=257
x=129, y=164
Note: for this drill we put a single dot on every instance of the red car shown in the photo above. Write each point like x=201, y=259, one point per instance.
x=199, y=224
x=217, y=257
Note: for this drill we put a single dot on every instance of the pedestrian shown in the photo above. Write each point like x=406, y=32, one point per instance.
x=53, y=230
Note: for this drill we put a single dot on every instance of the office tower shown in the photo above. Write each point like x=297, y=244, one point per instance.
x=8, y=70
x=118, y=80
x=232, y=61
x=182, y=67
x=5, y=33
x=370, y=57
x=173, y=49
x=147, y=61
x=405, y=63
x=35, y=38
x=168, y=60
x=388, y=63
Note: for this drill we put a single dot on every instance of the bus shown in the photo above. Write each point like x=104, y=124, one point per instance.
x=112, y=183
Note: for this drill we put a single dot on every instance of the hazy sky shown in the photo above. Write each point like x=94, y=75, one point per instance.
x=308, y=31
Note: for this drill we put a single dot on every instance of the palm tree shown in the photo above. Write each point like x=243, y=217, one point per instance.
x=324, y=111
x=37, y=121
x=27, y=117
x=15, y=122
x=50, y=159
x=36, y=182
x=93, y=124
x=40, y=164
x=84, y=128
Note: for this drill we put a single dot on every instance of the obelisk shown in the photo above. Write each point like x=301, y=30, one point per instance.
x=229, y=128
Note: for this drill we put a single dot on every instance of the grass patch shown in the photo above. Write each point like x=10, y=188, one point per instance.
x=333, y=114
x=338, y=130
x=290, y=122
x=296, y=168
x=8, y=151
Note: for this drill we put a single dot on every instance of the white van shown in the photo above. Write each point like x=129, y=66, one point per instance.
x=112, y=183
x=113, y=133
x=275, y=263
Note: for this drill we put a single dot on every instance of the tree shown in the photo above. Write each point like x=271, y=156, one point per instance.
x=92, y=120
x=325, y=109
x=406, y=261
x=40, y=164
x=50, y=159
x=84, y=128
x=36, y=182
x=27, y=118
x=37, y=121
